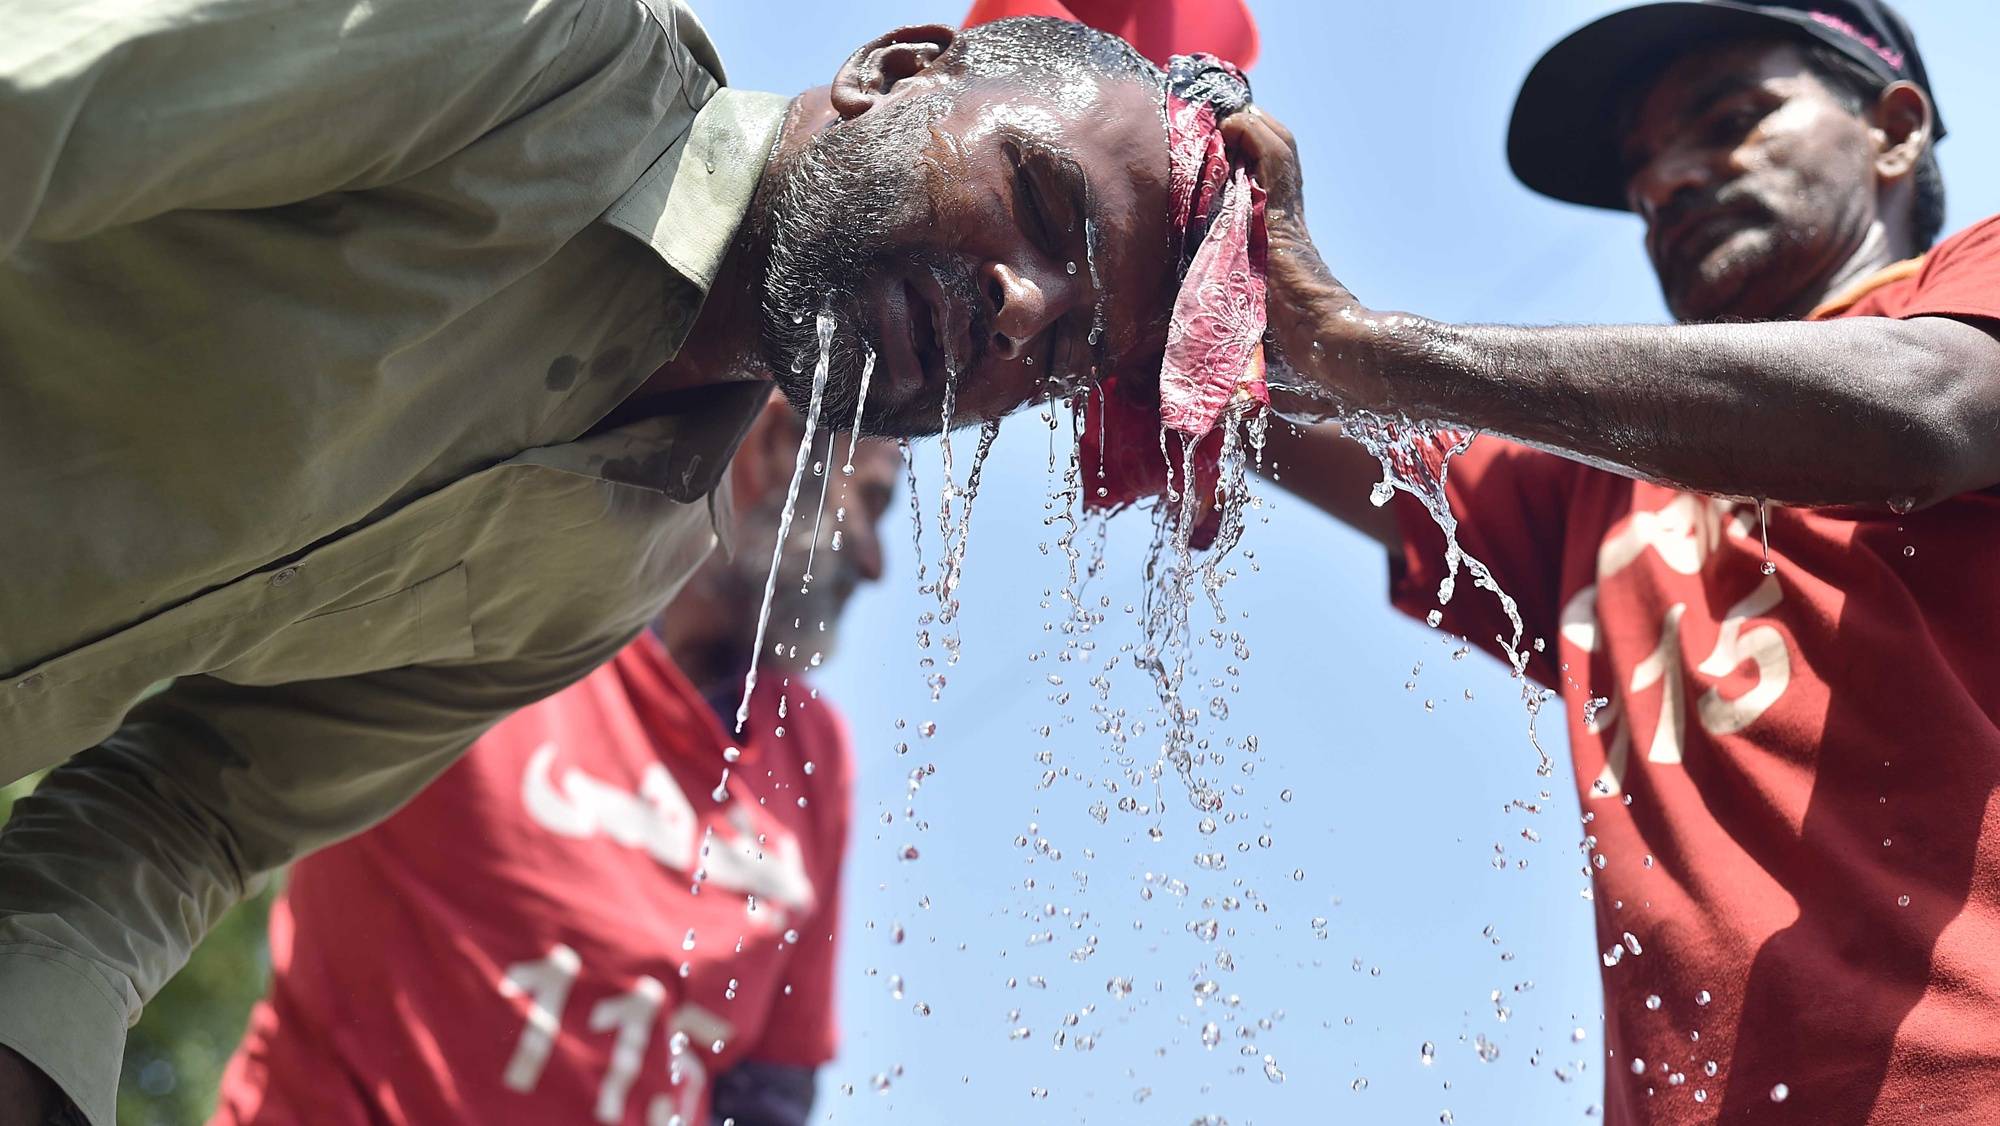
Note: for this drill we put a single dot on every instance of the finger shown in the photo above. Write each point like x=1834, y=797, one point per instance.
x=1278, y=127
x=1254, y=138
x=1273, y=161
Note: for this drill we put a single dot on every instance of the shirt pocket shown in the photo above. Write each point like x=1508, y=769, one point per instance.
x=430, y=621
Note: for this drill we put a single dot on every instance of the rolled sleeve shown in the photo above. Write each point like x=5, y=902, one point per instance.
x=124, y=857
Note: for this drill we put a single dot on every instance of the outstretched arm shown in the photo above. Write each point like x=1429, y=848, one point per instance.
x=1864, y=411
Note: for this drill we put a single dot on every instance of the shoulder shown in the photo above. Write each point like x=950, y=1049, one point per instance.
x=1960, y=277
x=1979, y=242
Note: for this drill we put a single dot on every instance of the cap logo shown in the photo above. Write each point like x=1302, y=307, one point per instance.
x=1827, y=19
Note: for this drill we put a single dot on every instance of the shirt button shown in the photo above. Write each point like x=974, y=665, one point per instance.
x=284, y=575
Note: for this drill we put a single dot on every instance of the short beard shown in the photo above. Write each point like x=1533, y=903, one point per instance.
x=837, y=207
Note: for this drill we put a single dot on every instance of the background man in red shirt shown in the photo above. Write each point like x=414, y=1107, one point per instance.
x=1786, y=756
x=612, y=909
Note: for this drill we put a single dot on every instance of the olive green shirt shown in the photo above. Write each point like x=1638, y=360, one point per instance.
x=306, y=308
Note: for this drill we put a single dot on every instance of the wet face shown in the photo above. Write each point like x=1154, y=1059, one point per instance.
x=1006, y=241
x=1756, y=184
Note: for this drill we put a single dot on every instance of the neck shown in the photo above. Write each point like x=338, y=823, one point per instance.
x=1877, y=250
x=724, y=344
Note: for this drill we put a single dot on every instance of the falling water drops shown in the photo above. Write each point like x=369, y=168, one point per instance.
x=825, y=326
x=1764, y=528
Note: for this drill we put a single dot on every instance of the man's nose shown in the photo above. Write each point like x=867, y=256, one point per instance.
x=1666, y=178
x=1025, y=302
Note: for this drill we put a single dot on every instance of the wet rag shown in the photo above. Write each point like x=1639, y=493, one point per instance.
x=1215, y=338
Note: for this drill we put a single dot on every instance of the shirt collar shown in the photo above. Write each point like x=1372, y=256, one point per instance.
x=689, y=204
x=1851, y=296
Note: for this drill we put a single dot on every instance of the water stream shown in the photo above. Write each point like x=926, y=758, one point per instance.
x=825, y=325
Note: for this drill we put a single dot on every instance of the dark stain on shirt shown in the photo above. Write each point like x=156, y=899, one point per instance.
x=562, y=373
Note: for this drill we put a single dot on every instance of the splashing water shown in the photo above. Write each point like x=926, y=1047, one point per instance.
x=916, y=507
x=825, y=326
x=1403, y=448
x=1764, y=526
x=1173, y=576
x=824, y=471
x=860, y=401
x=1096, y=282
x=955, y=519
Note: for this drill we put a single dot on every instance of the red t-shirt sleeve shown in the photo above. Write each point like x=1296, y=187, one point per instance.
x=1512, y=505
x=1960, y=278
x=804, y=1027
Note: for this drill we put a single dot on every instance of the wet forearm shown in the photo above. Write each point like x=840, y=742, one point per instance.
x=1863, y=412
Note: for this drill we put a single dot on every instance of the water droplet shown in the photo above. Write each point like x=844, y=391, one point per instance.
x=688, y=942
x=1901, y=506
x=1211, y=1035
x=1702, y=998
x=1902, y=901
x=1909, y=551
x=1780, y=1093
x=1428, y=1053
x=1360, y=1083
x=1653, y=1001
x=1638, y=1066
x=1434, y=618
x=1069, y=268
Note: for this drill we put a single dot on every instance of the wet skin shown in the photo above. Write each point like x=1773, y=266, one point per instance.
x=1013, y=183
x=988, y=207
x=976, y=276
x=1763, y=197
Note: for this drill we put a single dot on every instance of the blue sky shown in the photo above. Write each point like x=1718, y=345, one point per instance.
x=1395, y=813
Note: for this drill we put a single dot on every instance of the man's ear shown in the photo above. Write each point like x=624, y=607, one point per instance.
x=870, y=73
x=1902, y=125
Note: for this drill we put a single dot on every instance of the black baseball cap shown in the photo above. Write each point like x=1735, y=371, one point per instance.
x=1564, y=140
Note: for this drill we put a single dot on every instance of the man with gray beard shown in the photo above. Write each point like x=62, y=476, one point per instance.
x=372, y=370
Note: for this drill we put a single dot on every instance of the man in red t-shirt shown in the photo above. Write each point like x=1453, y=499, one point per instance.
x=612, y=909
x=1786, y=756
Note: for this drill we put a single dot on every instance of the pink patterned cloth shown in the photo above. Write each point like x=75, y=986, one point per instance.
x=1215, y=341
